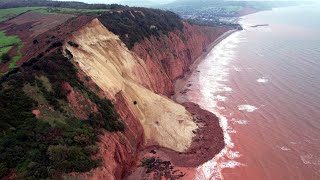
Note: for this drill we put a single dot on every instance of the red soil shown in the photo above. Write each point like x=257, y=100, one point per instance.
x=81, y=106
x=119, y=150
x=31, y=24
x=56, y=34
x=36, y=112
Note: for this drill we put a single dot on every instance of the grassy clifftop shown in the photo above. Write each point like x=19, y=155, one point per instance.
x=134, y=24
x=49, y=3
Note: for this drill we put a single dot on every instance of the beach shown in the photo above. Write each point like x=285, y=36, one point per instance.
x=262, y=84
x=181, y=82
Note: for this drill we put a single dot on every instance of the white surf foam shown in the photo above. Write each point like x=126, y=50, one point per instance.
x=227, y=89
x=284, y=148
x=247, y=108
x=221, y=98
x=237, y=69
x=233, y=154
x=239, y=121
x=220, y=108
x=263, y=80
x=211, y=78
x=310, y=159
x=214, y=72
x=230, y=164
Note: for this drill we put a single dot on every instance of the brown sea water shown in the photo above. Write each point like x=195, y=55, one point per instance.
x=264, y=84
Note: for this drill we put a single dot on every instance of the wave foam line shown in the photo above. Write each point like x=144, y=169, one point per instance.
x=214, y=69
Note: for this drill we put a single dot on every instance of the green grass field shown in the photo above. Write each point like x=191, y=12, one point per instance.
x=6, y=43
x=16, y=58
x=4, y=50
x=9, y=13
x=69, y=10
x=8, y=40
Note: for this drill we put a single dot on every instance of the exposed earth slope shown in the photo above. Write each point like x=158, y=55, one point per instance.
x=93, y=99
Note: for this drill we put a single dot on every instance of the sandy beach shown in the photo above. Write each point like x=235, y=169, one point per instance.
x=181, y=82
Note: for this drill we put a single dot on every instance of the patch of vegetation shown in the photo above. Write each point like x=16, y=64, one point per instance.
x=58, y=142
x=33, y=92
x=46, y=82
x=54, y=45
x=9, y=13
x=55, y=4
x=4, y=51
x=134, y=24
x=8, y=40
x=6, y=44
x=72, y=10
x=16, y=58
x=232, y=8
x=5, y=58
x=12, y=12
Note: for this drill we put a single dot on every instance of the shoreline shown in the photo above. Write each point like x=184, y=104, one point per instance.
x=180, y=83
x=208, y=141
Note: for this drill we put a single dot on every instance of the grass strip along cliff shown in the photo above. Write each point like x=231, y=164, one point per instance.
x=94, y=98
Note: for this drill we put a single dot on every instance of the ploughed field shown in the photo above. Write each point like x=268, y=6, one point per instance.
x=19, y=28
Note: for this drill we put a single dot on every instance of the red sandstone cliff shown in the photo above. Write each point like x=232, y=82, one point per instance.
x=168, y=57
x=139, y=75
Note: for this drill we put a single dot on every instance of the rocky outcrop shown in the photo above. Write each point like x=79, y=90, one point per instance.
x=168, y=57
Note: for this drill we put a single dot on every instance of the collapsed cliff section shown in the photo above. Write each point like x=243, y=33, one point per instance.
x=167, y=45
x=116, y=70
x=134, y=56
x=125, y=79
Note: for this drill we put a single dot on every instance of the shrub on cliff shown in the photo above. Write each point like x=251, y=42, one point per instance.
x=134, y=24
x=34, y=148
x=5, y=58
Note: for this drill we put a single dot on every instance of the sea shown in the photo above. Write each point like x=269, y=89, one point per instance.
x=264, y=84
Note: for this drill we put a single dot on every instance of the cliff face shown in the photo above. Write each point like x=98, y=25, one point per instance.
x=168, y=57
x=119, y=150
x=127, y=80
x=133, y=80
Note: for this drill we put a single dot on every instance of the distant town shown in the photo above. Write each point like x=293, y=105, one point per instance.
x=221, y=13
